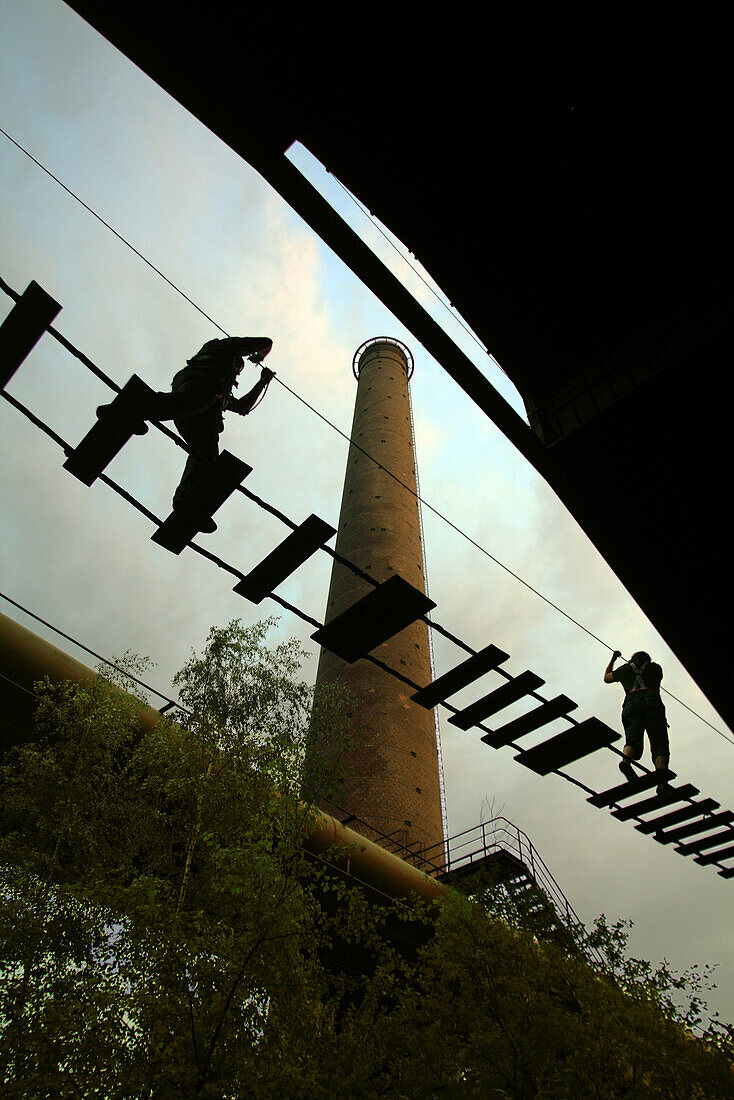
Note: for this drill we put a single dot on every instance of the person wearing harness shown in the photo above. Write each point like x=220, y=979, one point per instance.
x=200, y=393
x=642, y=710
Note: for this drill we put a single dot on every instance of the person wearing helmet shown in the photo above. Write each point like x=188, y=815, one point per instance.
x=642, y=710
x=200, y=393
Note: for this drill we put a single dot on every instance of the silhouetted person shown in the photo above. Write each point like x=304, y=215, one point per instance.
x=642, y=710
x=200, y=393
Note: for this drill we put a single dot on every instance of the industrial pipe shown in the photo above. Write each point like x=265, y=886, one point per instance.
x=25, y=658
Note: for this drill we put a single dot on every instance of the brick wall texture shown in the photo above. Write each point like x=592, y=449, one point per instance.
x=393, y=769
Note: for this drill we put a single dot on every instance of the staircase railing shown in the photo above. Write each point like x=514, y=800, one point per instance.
x=475, y=844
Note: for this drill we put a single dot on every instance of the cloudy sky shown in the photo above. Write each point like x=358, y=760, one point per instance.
x=82, y=559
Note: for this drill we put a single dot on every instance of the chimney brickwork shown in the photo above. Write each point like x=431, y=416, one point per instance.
x=393, y=778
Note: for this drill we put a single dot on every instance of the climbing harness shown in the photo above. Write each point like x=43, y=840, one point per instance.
x=639, y=683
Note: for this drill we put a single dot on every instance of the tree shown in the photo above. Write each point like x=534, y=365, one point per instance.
x=157, y=903
x=164, y=933
x=500, y=1013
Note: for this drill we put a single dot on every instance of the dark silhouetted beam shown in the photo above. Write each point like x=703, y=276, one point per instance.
x=23, y=328
x=669, y=796
x=570, y=745
x=379, y=615
x=705, y=842
x=715, y=857
x=498, y=699
x=460, y=677
x=291, y=553
x=111, y=432
x=633, y=787
x=526, y=723
x=208, y=494
x=684, y=814
x=707, y=823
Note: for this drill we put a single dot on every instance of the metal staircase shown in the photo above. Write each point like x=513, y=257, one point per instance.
x=498, y=855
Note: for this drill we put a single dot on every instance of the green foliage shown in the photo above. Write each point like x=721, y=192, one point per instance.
x=501, y=1014
x=157, y=905
x=678, y=995
x=163, y=932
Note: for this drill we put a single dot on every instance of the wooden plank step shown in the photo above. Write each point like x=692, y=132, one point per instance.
x=670, y=796
x=374, y=619
x=670, y=836
x=209, y=493
x=496, y=700
x=677, y=816
x=630, y=788
x=723, y=837
x=727, y=873
x=460, y=677
x=291, y=553
x=570, y=745
x=714, y=857
x=23, y=328
x=110, y=434
x=526, y=723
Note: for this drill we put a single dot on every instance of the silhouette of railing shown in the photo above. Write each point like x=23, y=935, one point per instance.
x=468, y=849
x=507, y=853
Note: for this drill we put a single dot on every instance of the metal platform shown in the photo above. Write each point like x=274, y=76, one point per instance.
x=707, y=823
x=497, y=853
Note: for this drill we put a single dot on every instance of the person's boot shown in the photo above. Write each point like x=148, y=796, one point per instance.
x=627, y=770
x=207, y=526
x=663, y=786
x=140, y=429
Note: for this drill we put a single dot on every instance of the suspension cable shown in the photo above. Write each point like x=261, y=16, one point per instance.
x=463, y=534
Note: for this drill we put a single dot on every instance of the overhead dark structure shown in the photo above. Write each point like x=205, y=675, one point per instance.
x=567, y=181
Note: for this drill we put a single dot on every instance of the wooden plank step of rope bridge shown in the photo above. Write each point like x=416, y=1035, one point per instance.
x=669, y=797
x=672, y=836
x=724, y=837
x=215, y=485
x=632, y=787
x=23, y=327
x=287, y=556
x=496, y=700
x=123, y=418
x=714, y=857
x=527, y=723
x=372, y=620
x=572, y=744
x=460, y=677
x=657, y=824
